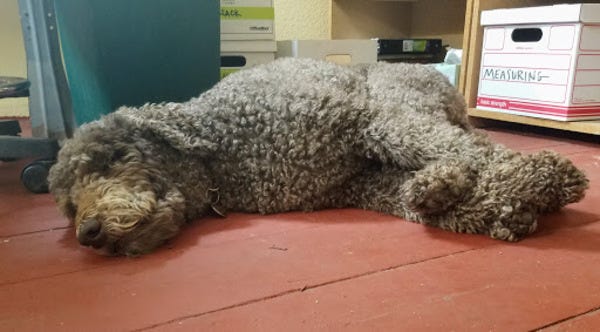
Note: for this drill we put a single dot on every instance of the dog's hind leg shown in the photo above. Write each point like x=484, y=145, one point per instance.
x=448, y=158
x=411, y=139
x=381, y=190
x=439, y=186
x=387, y=191
x=464, y=182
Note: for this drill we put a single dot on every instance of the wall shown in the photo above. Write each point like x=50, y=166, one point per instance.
x=370, y=19
x=12, y=56
x=302, y=19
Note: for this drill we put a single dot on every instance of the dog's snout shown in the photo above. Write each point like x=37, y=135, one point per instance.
x=91, y=234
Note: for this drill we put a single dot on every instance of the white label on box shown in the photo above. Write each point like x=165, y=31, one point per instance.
x=562, y=38
x=590, y=38
x=494, y=39
x=528, y=60
x=587, y=77
x=408, y=45
x=588, y=62
x=586, y=94
x=524, y=91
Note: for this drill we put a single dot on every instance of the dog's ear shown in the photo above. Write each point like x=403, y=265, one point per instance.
x=60, y=181
x=92, y=149
x=63, y=174
x=163, y=125
x=98, y=157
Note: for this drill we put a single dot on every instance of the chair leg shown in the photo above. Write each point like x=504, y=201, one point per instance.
x=50, y=105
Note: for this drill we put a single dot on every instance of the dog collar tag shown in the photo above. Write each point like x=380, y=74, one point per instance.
x=214, y=192
x=217, y=211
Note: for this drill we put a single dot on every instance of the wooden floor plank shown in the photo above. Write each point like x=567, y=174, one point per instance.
x=589, y=321
x=501, y=287
x=188, y=279
x=23, y=212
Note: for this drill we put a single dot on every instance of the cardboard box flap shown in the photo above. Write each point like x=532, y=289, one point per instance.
x=585, y=13
x=343, y=51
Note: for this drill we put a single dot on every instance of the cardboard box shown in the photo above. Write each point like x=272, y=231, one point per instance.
x=347, y=51
x=240, y=54
x=247, y=20
x=542, y=62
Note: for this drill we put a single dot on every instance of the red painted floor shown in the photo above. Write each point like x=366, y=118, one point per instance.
x=335, y=270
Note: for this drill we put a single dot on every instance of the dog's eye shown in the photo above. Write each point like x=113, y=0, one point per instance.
x=117, y=155
x=143, y=222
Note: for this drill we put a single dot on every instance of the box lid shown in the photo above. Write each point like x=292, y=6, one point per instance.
x=248, y=46
x=246, y=3
x=586, y=13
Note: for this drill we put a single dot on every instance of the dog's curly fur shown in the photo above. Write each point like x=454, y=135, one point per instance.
x=301, y=134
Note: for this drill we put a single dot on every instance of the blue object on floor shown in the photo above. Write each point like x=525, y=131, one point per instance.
x=137, y=51
x=85, y=58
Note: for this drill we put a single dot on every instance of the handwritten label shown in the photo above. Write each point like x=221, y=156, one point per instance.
x=515, y=75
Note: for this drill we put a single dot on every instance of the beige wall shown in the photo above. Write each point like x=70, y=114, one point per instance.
x=302, y=19
x=12, y=56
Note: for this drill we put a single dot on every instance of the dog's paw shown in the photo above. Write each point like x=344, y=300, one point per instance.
x=573, y=182
x=513, y=224
x=562, y=182
x=438, y=187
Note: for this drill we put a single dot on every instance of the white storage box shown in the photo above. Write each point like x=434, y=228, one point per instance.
x=542, y=61
x=247, y=20
x=346, y=51
x=240, y=54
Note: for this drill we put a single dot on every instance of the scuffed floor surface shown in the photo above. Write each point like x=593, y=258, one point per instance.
x=335, y=270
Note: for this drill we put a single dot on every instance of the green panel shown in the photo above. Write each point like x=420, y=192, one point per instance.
x=129, y=52
x=247, y=13
x=228, y=71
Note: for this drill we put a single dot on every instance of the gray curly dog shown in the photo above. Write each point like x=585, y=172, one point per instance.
x=301, y=134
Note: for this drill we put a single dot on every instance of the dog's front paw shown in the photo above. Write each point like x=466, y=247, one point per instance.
x=438, y=187
x=573, y=182
x=560, y=181
x=513, y=224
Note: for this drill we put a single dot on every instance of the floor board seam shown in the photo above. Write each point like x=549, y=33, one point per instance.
x=13, y=236
x=307, y=287
x=49, y=276
x=566, y=319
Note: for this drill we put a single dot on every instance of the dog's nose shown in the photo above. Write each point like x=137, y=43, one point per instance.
x=91, y=234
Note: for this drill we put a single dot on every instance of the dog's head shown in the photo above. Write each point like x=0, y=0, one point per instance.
x=114, y=192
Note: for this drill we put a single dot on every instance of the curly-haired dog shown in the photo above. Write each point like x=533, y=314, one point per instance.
x=303, y=135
